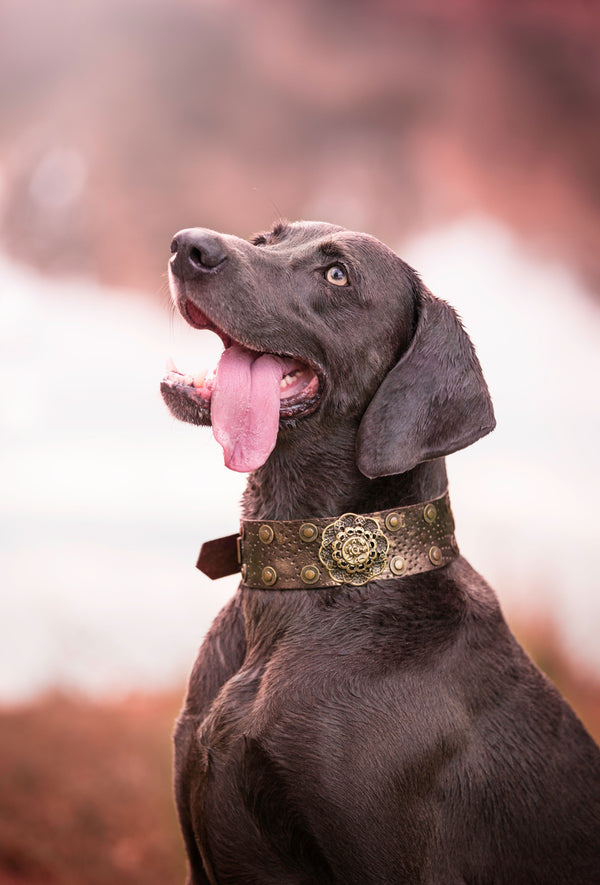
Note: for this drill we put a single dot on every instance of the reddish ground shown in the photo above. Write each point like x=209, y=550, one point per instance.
x=85, y=793
x=85, y=788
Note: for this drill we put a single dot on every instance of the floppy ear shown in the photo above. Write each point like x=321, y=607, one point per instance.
x=433, y=402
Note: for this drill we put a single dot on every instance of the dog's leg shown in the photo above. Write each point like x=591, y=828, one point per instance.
x=220, y=657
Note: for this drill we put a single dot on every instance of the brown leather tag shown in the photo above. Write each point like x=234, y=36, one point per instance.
x=219, y=558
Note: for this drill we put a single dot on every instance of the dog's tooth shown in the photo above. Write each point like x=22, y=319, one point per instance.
x=171, y=367
x=199, y=378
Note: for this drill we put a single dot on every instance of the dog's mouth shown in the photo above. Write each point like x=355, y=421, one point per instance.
x=245, y=397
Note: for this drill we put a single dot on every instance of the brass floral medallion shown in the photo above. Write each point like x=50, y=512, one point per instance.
x=354, y=549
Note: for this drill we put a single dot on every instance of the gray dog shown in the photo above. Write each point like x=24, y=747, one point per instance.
x=359, y=712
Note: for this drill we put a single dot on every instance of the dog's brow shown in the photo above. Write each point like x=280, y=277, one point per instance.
x=331, y=250
x=279, y=230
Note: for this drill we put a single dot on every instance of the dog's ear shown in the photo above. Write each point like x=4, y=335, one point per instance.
x=434, y=401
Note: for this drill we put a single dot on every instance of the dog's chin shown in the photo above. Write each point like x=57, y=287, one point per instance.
x=185, y=402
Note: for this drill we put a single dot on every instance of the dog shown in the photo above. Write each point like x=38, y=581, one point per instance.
x=359, y=712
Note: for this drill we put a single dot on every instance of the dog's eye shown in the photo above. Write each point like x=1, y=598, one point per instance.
x=336, y=275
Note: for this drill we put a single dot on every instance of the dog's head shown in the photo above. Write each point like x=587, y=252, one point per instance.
x=325, y=326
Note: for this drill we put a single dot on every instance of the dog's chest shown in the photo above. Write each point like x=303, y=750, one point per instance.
x=327, y=730
x=304, y=738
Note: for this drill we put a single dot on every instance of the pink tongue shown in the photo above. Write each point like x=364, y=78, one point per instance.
x=245, y=406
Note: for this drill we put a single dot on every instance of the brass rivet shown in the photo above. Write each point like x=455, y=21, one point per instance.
x=429, y=513
x=244, y=571
x=269, y=576
x=397, y=565
x=308, y=532
x=310, y=574
x=435, y=555
x=265, y=533
x=394, y=521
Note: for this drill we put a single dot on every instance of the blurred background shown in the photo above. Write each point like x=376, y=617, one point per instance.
x=463, y=133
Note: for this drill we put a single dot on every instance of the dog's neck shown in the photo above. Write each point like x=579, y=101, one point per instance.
x=320, y=478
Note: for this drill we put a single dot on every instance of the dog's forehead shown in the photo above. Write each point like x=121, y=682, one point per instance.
x=305, y=231
x=297, y=233
x=304, y=235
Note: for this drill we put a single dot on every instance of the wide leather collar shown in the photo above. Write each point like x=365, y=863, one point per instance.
x=350, y=549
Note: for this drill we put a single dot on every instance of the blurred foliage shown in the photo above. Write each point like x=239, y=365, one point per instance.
x=124, y=120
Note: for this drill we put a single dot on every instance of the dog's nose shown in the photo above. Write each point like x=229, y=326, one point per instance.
x=196, y=252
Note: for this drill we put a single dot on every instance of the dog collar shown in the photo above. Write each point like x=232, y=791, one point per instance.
x=353, y=548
